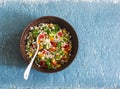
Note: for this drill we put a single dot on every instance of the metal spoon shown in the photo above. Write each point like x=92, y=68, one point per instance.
x=27, y=71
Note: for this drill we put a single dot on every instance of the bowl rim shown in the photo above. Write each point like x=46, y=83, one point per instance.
x=27, y=28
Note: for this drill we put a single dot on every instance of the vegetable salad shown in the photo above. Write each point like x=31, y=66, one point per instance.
x=54, y=45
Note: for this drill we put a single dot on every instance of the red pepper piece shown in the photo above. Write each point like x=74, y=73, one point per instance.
x=60, y=33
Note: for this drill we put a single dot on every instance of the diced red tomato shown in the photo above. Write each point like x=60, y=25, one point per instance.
x=42, y=63
x=41, y=36
x=63, y=58
x=54, y=43
x=67, y=47
x=45, y=35
x=60, y=33
x=44, y=51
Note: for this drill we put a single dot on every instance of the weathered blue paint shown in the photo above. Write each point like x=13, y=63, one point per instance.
x=97, y=64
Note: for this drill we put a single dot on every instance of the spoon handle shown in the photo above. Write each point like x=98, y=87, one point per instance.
x=27, y=71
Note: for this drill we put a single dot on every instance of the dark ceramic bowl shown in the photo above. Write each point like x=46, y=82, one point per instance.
x=63, y=24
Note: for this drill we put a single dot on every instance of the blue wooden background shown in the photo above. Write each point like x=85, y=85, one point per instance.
x=97, y=64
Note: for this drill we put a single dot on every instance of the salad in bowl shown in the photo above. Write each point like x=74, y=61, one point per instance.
x=58, y=44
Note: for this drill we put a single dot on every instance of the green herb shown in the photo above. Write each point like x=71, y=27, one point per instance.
x=46, y=29
x=47, y=46
x=65, y=39
x=48, y=63
x=57, y=27
x=52, y=33
x=35, y=33
x=44, y=46
x=57, y=58
x=37, y=60
x=59, y=44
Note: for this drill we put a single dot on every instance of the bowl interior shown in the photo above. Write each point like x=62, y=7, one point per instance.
x=63, y=24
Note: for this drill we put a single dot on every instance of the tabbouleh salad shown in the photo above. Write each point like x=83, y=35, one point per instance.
x=54, y=45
